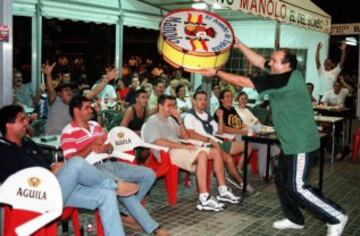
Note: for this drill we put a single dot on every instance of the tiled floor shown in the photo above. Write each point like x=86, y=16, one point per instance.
x=256, y=214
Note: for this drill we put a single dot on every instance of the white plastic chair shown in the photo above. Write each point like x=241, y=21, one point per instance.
x=33, y=189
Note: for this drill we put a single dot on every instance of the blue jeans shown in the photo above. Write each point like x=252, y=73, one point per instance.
x=84, y=186
x=145, y=178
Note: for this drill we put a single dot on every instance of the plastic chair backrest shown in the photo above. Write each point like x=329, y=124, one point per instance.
x=124, y=139
x=34, y=189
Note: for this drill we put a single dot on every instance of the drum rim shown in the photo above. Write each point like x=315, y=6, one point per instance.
x=198, y=53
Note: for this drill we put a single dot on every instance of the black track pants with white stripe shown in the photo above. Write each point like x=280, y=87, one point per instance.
x=291, y=179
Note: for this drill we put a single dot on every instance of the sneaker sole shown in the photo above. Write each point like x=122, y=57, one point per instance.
x=290, y=227
x=201, y=208
x=219, y=198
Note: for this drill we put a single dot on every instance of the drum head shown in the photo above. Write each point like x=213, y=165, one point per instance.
x=197, y=33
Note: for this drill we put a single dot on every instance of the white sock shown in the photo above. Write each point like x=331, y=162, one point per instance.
x=222, y=189
x=203, y=196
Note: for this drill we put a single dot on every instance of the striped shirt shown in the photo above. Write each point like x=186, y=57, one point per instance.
x=74, y=138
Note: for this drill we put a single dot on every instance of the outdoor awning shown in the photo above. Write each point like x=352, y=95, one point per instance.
x=302, y=13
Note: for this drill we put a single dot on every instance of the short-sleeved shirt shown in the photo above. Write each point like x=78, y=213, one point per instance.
x=332, y=99
x=231, y=118
x=159, y=127
x=191, y=122
x=25, y=95
x=327, y=78
x=14, y=158
x=58, y=117
x=292, y=111
x=74, y=138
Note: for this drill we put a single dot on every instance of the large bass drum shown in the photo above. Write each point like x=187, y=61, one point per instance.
x=195, y=40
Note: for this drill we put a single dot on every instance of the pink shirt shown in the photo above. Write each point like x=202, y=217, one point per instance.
x=74, y=138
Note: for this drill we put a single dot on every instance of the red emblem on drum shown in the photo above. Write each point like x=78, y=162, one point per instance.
x=197, y=33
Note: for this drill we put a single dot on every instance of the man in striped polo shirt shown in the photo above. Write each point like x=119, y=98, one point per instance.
x=82, y=136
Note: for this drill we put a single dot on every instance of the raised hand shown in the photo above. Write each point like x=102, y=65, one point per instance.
x=47, y=68
x=112, y=74
x=220, y=114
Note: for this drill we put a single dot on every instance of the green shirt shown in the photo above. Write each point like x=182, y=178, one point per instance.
x=292, y=114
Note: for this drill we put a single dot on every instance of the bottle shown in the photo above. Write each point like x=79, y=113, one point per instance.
x=43, y=106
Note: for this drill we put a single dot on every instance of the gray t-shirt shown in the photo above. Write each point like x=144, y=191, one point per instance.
x=158, y=127
x=58, y=117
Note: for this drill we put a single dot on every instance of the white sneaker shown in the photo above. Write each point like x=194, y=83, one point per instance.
x=337, y=229
x=211, y=204
x=228, y=196
x=286, y=224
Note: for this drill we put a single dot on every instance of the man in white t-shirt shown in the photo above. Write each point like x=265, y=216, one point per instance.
x=336, y=96
x=328, y=72
x=200, y=122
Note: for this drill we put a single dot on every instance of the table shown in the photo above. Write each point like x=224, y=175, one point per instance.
x=273, y=139
x=52, y=145
x=332, y=120
x=343, y=112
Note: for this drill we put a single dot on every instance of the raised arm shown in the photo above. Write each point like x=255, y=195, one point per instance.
x=236, y=80
x=110, y=75
x=254, y=58
x=317, y=57
x=343, y=54
x=47, y=70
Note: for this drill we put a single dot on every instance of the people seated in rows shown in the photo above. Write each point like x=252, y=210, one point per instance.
x=337, y=95
x=328, y=72
x=158, y=90
x=23, y=93
x=82, y=185
x=135, y=115
x=199, y=121
x=252, y=122
x=82, y=137
x=310, y=88
x=214, y=98
x=165, y=128
x=183, y=103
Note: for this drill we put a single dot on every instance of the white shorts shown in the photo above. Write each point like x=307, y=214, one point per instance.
x=184, y=158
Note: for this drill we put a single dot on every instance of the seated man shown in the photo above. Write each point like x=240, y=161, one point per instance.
x=199, y=121
x=81, y=184
x=162, y=129
x=136, y=114
x=82, y=136
x=337, y=95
